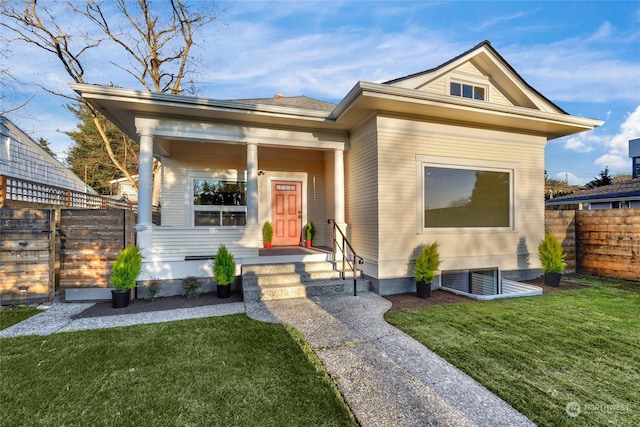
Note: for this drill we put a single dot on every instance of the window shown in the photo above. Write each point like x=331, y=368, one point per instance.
x=461, y=197
x=467, y=91
x=636, y=167
x=218, y=202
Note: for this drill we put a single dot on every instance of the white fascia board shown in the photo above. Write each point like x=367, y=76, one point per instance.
x=377, y=91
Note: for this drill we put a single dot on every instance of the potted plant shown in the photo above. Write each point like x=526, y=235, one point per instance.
x=124, y=273
x=309, y=233
x=552, y=258
x=427, y=264
x=224, y=271
x=267, y=234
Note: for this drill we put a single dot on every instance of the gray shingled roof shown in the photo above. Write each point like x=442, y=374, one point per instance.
x=302, y=102
x=622, y=190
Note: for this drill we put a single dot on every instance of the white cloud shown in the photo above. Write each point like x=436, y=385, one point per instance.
x=571, y=178
x=582, y=142
x=578, y=69
x=617, y=157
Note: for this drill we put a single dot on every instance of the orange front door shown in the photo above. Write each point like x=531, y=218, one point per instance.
x=286, y=212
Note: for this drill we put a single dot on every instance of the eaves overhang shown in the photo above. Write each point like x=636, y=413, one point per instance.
x=366, y=97
x=122, y=106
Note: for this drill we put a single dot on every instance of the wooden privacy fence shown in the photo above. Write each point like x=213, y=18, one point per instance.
x=27, y=261
x=605, y=242
x=89, y=244
x=42, y=250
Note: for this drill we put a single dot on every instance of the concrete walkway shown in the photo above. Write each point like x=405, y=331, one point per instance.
x=386, y=377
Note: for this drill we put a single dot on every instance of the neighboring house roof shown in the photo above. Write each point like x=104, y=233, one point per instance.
x=627, y=190
x=303, y=102
x=23, y=158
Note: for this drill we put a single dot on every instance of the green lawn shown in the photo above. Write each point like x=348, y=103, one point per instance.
x=13, y=315
x=541, y=353
x=224, y=371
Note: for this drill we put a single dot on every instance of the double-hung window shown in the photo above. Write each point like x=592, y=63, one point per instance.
x=219, y=202
x=466, y=196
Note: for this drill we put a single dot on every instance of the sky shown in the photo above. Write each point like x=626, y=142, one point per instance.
x=583, y=56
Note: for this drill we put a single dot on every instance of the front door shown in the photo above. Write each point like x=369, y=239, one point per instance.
x=286, y=212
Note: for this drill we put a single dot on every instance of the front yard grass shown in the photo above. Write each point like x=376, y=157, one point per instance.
x=9, y=316
x=225, y=371
x=540, y=354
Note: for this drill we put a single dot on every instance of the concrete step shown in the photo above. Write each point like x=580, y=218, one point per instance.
x=287, y=267
x=262, y=282
x=289, y=278
x=254, y=292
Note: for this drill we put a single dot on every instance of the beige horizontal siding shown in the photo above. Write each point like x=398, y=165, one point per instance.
x=438, y=86
x=361, y=191
x=400, y=141
x=469, y=68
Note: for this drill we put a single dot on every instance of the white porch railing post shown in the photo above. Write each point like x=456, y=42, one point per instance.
x=252, y=184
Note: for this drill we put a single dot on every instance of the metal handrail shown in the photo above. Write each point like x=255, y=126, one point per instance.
x=356, y=258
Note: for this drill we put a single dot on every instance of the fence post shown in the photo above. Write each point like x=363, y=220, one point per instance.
x=52, y=254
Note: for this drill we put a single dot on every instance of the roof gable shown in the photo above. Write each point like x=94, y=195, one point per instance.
x=483, y=66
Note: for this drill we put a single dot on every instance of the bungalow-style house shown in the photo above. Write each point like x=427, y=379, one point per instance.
x=454, y=154
x=621, y=195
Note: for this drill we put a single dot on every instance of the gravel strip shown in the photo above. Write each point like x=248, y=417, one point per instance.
x=154, y=317
x=58, y=318
x=49, y=321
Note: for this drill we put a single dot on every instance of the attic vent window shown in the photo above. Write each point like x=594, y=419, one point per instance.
x=464, y=90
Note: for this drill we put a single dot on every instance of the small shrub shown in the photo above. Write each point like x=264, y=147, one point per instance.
x=267, y=232
x=224, y=267
x=190, y=285
x=127, y=268
x=427, y=263
x=153, y=289
x=551, y=255
x=309, y=231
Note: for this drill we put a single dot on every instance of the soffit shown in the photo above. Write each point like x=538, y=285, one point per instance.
x=122, y=106
x=366, y=97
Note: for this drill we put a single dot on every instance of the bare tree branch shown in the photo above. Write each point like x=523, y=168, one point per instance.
x=157, y=43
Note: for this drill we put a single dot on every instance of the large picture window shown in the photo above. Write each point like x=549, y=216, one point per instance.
x=459, y=197
x=219, y=202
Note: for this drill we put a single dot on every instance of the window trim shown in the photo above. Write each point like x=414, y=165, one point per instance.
x=463, y=83
x=469, y=164
x=220, y=176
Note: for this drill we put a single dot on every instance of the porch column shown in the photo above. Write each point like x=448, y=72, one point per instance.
x=338, y=183
x=145, y=180
x=252, y=184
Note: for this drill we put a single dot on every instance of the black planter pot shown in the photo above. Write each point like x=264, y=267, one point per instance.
x=120, y=299
x=552, y=279
x=224, y=291
x=423, y=289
